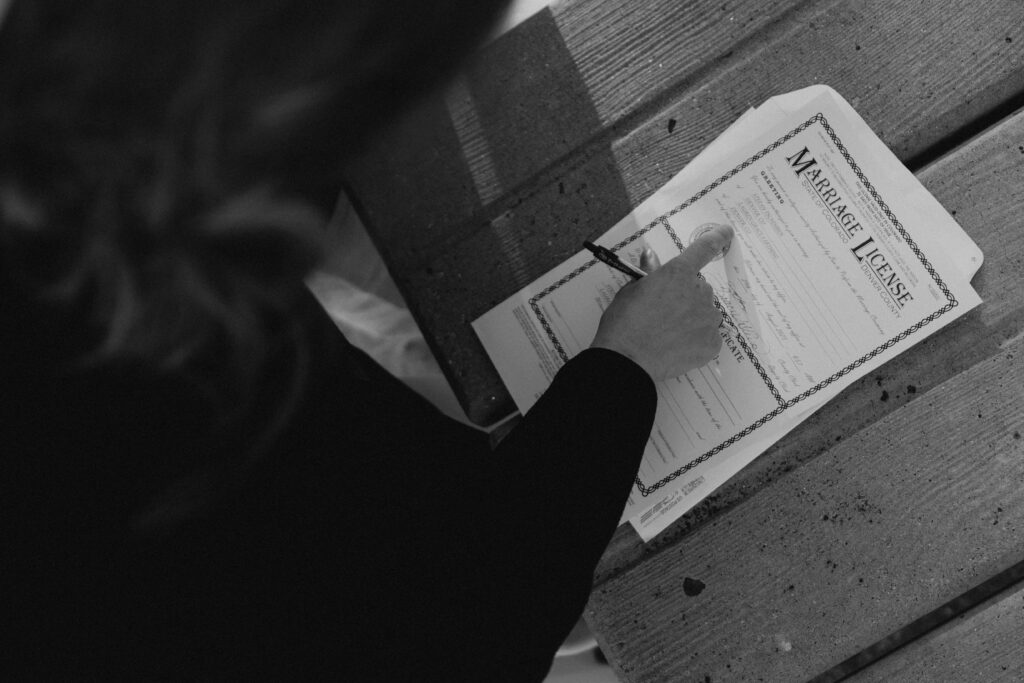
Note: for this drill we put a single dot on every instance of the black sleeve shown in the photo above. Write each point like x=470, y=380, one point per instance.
x=376, y=540
x=559, y=484
x=548, y=502
x=481, y=562
x=468, y=563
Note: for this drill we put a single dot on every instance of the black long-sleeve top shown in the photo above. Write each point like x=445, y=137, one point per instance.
x=371, y=539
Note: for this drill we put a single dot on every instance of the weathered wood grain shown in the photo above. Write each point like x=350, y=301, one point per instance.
x=577, y=131
x=538, y=94
x=983, y=645
x=917, y=72
x=982, y=184
x=630, y=54
x=885, y=526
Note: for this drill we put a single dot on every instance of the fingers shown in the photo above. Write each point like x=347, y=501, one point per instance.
x=649, y=261
x=705, y=248
x=704, y=291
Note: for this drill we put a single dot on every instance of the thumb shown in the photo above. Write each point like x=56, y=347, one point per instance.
x=706, y=247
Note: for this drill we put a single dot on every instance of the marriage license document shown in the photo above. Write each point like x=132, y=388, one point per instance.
x=840, y=261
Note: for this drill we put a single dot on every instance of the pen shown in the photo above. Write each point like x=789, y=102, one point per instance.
x=607, y=256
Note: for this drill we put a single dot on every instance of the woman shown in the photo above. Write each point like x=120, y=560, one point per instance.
x=203, y=479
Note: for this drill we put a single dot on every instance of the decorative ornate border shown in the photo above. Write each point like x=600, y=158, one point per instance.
x=782, y=404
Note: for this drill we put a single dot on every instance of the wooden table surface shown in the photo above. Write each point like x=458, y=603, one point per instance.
x=885, y=535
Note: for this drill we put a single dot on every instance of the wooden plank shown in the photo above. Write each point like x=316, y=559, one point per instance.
x=892, y=61
x=892, y=522
x=457, y=252
x=630, y=54
x=982, y=184
x=537, y=95
x=982, y=645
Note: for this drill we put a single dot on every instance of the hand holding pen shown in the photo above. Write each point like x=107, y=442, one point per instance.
x=667, y=322
x=649, y=262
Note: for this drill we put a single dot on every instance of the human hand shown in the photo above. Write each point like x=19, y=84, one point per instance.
x=667, y=322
